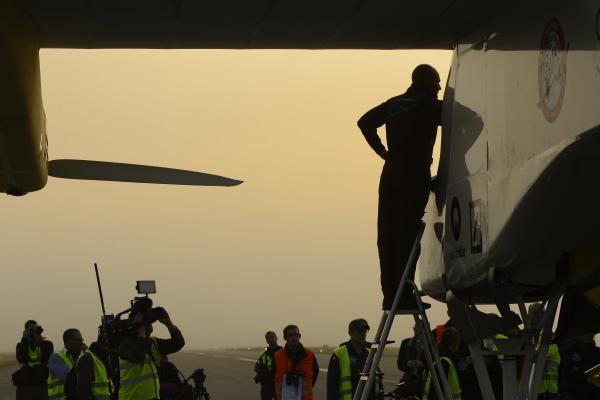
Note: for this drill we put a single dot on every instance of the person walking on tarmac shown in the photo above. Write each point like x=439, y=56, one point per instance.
x=139, y=357
x=448, y=347
x=347, y=362
x=62, y=362
x=33, y=353
x=265, y=373
x=296, y=368
x=411, y=121
x=93, y=378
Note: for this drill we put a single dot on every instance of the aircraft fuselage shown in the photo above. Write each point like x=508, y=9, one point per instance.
x=520, y=154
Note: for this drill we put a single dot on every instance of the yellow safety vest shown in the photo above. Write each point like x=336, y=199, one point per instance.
x=549, y=383
x=266, y=360
x=490, y=344
x=56, y=387
x=453, y=382
x=101, y=383
x=139, y=381
x=345, y=388
x=35, y=356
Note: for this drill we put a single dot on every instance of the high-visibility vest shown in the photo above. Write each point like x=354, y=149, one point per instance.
x=101, y=382
x=345, y=388
x=438, y=333
x=490, y=344
x=139, y=381
x=549, y=383
x=56, y=387
x=283, y=366
x=266, y=359
x=35, y=356
x=453, y=382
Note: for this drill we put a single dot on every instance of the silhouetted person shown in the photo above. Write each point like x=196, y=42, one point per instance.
x=411, y=121
x=33, y=353
x=264, y=367
x=411, y=361
x=447, y=348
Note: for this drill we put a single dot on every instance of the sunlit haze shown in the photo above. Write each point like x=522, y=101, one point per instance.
x=295, y=243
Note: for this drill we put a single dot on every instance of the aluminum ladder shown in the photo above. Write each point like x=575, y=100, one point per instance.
x=432, y=358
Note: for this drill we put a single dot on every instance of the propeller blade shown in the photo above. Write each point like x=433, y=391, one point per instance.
x=119, y=172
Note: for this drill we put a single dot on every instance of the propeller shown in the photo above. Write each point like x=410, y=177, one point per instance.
x=120, y=172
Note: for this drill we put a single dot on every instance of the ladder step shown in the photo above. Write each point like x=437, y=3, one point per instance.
x=376, y=344
x=406, y=312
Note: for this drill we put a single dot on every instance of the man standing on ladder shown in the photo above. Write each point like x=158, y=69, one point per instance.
x=411, y=121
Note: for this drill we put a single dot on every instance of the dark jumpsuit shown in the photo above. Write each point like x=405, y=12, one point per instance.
x=411, y=121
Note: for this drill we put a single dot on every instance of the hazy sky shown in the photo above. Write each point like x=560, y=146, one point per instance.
x=296, y=243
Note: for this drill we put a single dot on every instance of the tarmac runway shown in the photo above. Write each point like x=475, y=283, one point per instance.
x=229, y=374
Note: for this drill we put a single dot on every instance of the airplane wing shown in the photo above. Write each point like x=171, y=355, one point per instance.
x=259, y=24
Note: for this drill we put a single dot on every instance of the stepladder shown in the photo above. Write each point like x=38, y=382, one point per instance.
x=439, y=381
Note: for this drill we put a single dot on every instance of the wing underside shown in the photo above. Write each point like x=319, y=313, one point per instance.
x=258, y=24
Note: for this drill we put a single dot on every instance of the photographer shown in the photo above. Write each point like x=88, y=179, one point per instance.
x=33, y=352
x=139, y=356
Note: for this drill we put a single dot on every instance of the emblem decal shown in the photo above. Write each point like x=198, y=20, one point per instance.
x=455, y=219
x=476, y=239
x=552, y=70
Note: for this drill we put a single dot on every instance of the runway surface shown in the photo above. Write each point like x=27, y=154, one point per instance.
x=229, y=374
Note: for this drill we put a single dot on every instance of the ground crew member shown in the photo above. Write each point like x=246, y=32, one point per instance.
x=139, y=358
x=33, y=353
x=494, y=364
x=447, y=348
x=577, y=357
x=61, y=363
x=411, y=362
x=264, y=368
x=411, y=121
x=296, y=368
x=93, y=378
x=347, y=362
x=265, y=371
x=548, y=388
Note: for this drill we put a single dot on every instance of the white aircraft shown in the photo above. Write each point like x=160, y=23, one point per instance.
x=513, y=217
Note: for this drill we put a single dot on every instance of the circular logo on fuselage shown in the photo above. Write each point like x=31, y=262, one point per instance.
x=552, y=70
x=455, y=219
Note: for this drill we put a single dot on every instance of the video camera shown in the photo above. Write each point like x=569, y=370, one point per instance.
x=115, y=328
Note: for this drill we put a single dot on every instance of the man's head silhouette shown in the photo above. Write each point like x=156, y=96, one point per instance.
x=424, y=76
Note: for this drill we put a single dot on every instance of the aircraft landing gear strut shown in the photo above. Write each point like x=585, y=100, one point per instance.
x=532, y=346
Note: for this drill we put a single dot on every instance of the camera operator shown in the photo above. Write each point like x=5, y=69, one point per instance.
x=140, y=356
x=33, y=353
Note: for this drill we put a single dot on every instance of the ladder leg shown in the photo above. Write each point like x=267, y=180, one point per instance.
x=423, y=333
x=481, y=371
x=360, y=388
x=365, y=389
x=437, y=369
